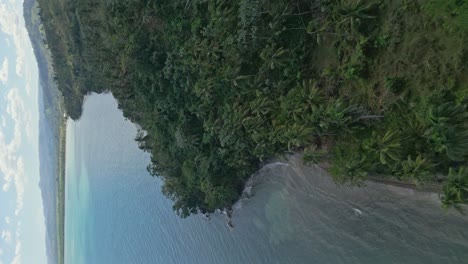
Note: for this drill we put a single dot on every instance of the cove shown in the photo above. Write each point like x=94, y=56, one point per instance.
x=116, y=213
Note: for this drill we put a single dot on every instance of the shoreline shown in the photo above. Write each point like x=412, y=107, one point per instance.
x=60, y=192
x=311, y=180
x=428, y=191
x=319, y=174
x=426, y=187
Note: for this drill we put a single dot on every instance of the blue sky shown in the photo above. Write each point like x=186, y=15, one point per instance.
x=22, y=228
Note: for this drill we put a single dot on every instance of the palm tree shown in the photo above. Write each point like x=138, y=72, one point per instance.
x=416, y=170
x=456, y=189
x=386, y=147
x=305, y=99
x=353, y=14
x=448, y=132
x=273, y=57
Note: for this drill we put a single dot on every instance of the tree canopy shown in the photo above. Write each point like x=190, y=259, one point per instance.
x=376, y=87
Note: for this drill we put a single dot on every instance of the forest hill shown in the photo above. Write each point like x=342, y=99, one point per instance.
x=375, y=87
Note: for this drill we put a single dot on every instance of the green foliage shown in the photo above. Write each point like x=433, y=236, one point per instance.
x=382, y=41
x=384, y=146
x=453, y=13
x=448, y=131
x=456, y=189
x=312, y=155
x=349, y=165
x=395, y=85
x=417, y=170
x=218, y=86
x=354, y=13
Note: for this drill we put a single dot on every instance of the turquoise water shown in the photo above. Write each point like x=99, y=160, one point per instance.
x=115, y=212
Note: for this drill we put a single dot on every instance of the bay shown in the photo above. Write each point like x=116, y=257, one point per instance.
x=115, y=212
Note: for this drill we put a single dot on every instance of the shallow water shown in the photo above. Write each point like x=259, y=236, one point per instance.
x=115, y=212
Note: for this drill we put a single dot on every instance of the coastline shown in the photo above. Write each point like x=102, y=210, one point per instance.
x=293, y=170
x=425, y=191
x=318, y=176
x=430, y=187
x=61, y=191
x=290, y=212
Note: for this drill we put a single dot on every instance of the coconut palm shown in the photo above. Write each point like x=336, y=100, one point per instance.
x=274, y=57
x=456, y=189
x=353, y=14
x=386, y=146
x=448, y=131
x=417, y=169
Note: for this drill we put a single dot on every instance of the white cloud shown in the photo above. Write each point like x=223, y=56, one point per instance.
x=12, y=167
x=12, y=23
x=17, y=258
x=17, y=110
x=11, y=164
x=18, y=116
x=28, y=89
x=6, y=236
x=19, y=185
x=8, y=159
x=4, y=71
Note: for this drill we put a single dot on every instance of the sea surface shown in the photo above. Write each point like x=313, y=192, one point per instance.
x=115, y=212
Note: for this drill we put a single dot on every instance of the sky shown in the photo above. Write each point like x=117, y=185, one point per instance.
x=22, y=228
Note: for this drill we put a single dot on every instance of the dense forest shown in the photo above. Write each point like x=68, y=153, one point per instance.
x=217, y=87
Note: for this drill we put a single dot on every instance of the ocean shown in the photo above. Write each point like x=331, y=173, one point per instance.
x=116, y=213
